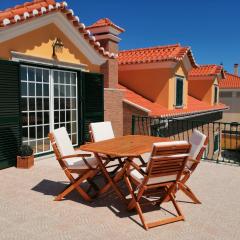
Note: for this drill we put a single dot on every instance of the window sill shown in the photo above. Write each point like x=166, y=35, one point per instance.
x=179, y=107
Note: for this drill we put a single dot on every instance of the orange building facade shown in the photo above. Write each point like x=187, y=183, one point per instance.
x=230, y=95
x=66, y=73
x=166, y=82
x=62, y=73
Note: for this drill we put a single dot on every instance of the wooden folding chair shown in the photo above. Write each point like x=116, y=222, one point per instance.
x=82, y=164
x=164, y=170
x=100, y=131
x=198, y=143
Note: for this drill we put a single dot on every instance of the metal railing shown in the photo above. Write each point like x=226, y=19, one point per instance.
x=224, y=138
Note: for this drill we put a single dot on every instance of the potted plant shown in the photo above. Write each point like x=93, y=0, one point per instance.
x=25, y=158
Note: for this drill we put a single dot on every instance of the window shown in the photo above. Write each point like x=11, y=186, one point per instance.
x=179, y=92
x=225, y=94
x=216, y=142
x=238, y=94
x=215, y=94
x=49, y=101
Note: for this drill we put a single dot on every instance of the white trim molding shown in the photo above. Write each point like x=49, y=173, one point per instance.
x=136, y=106
x=63, y=24
x=21, y=57
x=108, y=36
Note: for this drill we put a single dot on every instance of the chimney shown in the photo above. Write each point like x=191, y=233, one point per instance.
x=106, y=33
x=236, y=69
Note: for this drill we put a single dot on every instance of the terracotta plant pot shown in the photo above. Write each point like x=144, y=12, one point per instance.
x=25, y=162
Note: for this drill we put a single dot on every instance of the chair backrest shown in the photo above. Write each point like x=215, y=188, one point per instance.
x=198, y=142
x=61, y=143
x=168, y=160
x=101, y=131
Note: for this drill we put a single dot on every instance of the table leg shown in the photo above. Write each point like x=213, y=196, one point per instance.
x=111, y=182
x=116, y=178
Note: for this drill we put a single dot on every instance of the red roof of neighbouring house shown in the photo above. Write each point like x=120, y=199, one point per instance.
x=195, y=106
x=230, y=82
x=206, y=71
x=105, y=22
x=174, y=52
x=37, y=8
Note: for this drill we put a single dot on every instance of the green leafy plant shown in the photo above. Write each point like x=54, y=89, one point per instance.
x=25, y=151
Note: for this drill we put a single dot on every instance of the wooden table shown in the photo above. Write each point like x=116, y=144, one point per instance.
x=129, y=146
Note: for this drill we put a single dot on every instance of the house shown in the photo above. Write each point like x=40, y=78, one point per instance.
x=230, y=95
x=166, y=82
x=54, y=72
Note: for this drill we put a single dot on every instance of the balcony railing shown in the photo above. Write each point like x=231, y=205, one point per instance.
x=224, y=138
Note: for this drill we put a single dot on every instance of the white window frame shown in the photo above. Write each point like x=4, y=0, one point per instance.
x=214, y=89
x=51, y=109
x=178, y=77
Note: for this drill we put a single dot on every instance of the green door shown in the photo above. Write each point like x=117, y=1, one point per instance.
x=92, y=101
x=10, y=123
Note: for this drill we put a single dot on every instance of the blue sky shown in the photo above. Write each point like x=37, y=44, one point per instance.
x=210, y=27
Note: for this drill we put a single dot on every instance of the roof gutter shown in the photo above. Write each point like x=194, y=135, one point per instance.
x=199, y=114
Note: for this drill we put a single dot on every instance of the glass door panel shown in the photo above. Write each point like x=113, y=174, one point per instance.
x=49, y=101
x=65, y=102
x=35, y=92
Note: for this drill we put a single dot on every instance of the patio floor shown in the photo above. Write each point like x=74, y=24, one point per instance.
x=27, y=209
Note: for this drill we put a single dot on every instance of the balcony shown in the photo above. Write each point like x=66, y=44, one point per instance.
x=224, y=138
x=29, y=212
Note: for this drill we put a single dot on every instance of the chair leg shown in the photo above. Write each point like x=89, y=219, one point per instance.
x=141, y=160
x=134, y=203
x=189, y=193
x=93, y=184
x=180, y=216
x=75, y=185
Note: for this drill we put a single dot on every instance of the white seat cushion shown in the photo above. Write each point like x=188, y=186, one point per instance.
x=139, y=177
x=66, y=149
x=78, y=163
x=102, y=131
x=197, y=141
x=146, y=156
x=63, y=142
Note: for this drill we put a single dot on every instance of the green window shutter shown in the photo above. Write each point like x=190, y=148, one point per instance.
x=216, y=143
x=179, y=92
x=10, y=120
x=93, y=101
x=215, y=94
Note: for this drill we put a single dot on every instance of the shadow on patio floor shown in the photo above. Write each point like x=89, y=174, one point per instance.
x=109, y=200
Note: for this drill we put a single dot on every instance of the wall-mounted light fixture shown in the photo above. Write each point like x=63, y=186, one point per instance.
x=57, y=46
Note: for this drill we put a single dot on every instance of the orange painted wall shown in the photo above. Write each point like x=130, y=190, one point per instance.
x=39, y=43
x=156, y=84
x=152, y=84
x=202, y=90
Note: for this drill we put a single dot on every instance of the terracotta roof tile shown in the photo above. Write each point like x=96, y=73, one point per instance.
x=230, y=82
x=37, y=8
x=156, y=110
x=105, y=22
x=206, y=70
x=174, y=52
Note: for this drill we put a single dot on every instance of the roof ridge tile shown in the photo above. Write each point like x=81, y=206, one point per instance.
x=151, y=48
x=37, y=8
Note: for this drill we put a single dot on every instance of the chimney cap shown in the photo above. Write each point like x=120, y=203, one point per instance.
x=236, y=64
x=105, y=22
